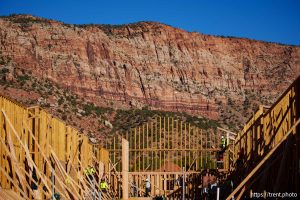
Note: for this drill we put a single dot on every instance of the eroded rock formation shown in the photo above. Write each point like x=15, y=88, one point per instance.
x=148, y=64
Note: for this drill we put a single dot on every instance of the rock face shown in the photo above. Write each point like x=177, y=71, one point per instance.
x=148, y=64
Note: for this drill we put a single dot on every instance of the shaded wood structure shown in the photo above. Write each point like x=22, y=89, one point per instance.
x=40, y=155
x=267, y=149
x=9, y=195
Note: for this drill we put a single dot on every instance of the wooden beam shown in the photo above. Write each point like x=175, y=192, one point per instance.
x=125, y=168
x=227, y=131
x=15, y=169
x=47, y=160
x=26, y=151
x=293, y=128
x=201, y=148
x=6, y=175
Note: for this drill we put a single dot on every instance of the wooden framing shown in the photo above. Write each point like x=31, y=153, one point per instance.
x=263, y=161
x=169, y=142
x=159, y=141
x=264, y=132
x=270, y=125
x=33, y=143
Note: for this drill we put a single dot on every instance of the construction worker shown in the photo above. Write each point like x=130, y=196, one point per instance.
x=223, y=142
x=134, y=189
x=213, y=188
x=205, y=193
x=179, y=181
x=57, y=196
x=148, y=187
x=68, y=180
x=34, y=177
x=89, y=172
x=103, y=186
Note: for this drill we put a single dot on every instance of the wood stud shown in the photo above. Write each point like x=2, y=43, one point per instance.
x=165, y=139
x=34, y=137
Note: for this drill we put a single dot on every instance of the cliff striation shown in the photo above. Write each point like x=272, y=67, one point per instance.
x=151, y=64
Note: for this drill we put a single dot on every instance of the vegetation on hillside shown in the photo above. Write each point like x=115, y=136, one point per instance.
x=86, y=116
x=126, y=119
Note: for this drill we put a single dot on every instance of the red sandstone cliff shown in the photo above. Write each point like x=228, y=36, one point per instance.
x=149, y=63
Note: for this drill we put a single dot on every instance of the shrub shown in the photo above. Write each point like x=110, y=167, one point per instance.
x=33, y=85
x=4, y=70
x=23, y=78
x=88, y=108
x=64, y=117
x=46, y=105
x=60, y=101
x=60, y=111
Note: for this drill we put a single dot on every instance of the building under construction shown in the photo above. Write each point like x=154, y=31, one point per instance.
x=41, y=157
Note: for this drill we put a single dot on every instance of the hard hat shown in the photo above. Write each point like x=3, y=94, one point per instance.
x=147, y=179
x=222, y=136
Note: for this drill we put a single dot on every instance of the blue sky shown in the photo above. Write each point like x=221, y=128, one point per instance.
x=268, y=20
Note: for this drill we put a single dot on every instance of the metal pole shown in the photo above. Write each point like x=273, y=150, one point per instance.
x=183, y=184
x=94, y=190
x=100, y=195
x=218, y=193
x=52, y=179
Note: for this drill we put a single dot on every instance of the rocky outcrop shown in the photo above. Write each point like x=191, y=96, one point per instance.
x=148, y=64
